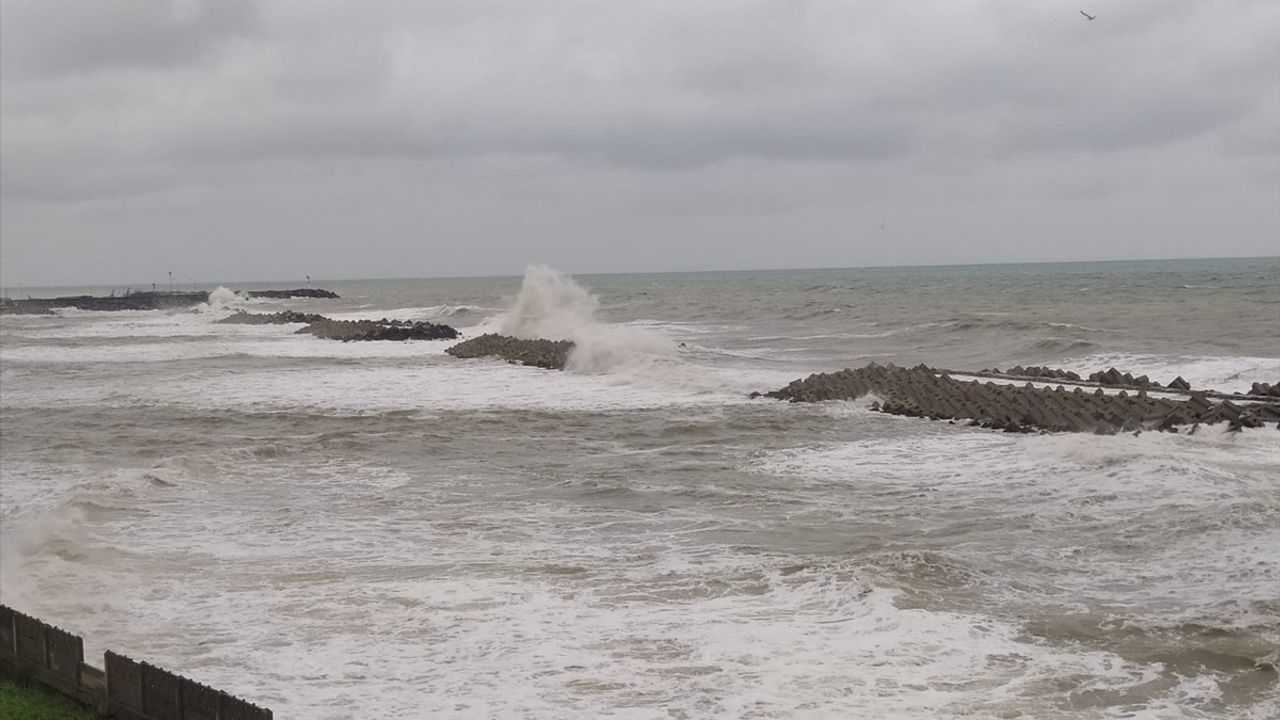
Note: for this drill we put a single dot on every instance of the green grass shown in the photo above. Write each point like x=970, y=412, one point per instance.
x=27, y=701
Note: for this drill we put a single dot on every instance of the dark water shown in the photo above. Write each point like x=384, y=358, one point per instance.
x=379, y=530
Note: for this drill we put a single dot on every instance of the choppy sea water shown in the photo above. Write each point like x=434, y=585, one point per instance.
x=378, y=530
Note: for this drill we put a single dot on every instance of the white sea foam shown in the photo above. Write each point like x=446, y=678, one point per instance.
x=1229, y=374
x=466, y=626
x=224, y=298
x=442, y=384
x=1089, y=489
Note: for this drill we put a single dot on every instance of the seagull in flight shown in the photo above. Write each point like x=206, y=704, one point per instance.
x=1088, y=16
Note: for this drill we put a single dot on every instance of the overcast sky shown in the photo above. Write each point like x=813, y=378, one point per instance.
x=241, y=140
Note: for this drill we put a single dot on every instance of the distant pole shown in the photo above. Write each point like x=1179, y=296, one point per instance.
x=170, y=282
x=308, y=281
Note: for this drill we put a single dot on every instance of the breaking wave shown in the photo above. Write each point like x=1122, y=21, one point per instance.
x=221, y=300
x=551, y=305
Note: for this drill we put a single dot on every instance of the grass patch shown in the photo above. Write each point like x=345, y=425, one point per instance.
x=28, y=701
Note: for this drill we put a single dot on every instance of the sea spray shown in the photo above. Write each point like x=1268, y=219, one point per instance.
x=551, y=305
x=221, y=300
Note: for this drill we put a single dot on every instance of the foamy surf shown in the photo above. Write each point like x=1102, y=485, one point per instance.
x=341, y=530
x=1228, y=374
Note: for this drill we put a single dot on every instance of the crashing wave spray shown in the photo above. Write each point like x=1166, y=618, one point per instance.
x=551, y=305
x=220, y=300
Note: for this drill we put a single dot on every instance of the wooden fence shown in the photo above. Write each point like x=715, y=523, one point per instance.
x=125, y=689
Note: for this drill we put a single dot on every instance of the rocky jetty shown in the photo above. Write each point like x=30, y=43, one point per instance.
x=150, y=300
x=295, y=293
x=550, y=354
x=17, y=307
x=359, y=330
x=279, y=318
x=926, y=392
x=127, y=301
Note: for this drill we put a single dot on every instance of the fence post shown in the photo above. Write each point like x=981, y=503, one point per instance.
x=142, y=686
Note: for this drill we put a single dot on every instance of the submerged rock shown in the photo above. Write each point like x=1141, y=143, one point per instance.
x=356, y=330
x=550, y=354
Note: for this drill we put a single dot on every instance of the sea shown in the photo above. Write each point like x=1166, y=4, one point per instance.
x=380, y=530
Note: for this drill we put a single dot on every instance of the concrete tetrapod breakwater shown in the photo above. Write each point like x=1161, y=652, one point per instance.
x=346, y=330
x=124, y=689
x=927, y=392
x=240, y=317
x=351, y=330
x=549, y=354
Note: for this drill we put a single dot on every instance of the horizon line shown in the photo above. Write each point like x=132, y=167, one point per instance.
x=189, y=282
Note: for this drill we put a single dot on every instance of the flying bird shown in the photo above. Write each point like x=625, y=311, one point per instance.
x=1088, y=16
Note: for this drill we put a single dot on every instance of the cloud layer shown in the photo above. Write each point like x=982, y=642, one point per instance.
x=232, y=139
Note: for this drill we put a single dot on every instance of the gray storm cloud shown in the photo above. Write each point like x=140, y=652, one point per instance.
x=241, y=140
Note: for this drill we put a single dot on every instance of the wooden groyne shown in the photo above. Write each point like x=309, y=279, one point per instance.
x=124, y=688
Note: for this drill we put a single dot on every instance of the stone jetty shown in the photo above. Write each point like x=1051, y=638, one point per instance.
x=295, y=293
x=923, y=391
x=148, y=300
x=384, y=329
x=127, y=301
x=549, y=354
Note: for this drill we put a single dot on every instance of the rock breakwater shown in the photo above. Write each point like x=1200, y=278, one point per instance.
x=926, y=392
x=549, y=354
x=108, y=303
x=241, y=317
x=361, y=330
x=294, y=293
x=150, y=300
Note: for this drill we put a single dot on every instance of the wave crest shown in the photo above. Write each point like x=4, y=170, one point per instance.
x=551, y=305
